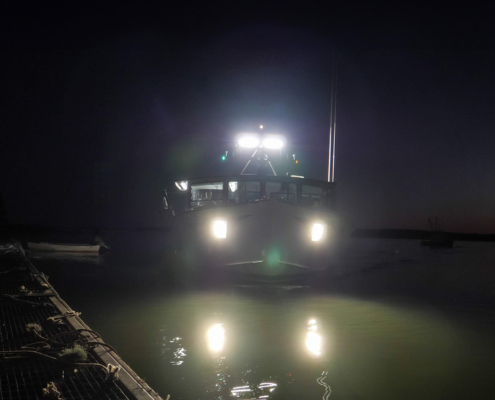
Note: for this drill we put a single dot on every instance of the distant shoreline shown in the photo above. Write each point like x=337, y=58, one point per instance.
x=418, y=235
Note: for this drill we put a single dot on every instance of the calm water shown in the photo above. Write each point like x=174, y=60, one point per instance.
x=393, y=321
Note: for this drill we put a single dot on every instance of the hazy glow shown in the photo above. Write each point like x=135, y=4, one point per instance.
x=317, y=232
x=216, y=337
x=182, y=185
x=273, y=143
x=220, y=229
x=313, y=343
x=261, y=126
x=249, y=142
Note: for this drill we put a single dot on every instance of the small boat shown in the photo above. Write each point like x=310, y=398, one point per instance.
x=64, y=247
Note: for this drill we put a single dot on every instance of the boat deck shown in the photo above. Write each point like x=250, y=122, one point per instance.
x=36, y=325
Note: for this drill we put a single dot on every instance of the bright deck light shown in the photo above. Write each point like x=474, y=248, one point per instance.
x=216, y=337
x=273, y=143
x=249, y=142
x=317, y=232
x=182, y=185
x=220, y=229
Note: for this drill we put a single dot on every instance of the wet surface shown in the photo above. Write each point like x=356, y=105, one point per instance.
x=391, y=320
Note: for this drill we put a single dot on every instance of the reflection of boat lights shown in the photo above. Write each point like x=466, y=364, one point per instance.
x=241, y=389
x=313, y=343
x=216, y=337
x=317, y=232
x=313, y=340
x=220, y=229
x=267, y=385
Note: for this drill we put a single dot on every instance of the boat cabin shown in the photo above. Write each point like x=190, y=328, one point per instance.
x=243, y=189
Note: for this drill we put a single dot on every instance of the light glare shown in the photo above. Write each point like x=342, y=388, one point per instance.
x=317, y=232
x=216, y=337
x=273, y=143
x=220, y=229
x=182, y=185
x=313, y=343
x=249, y=142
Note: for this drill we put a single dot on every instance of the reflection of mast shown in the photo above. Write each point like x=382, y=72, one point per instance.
x=321, y=381
x=333, y=122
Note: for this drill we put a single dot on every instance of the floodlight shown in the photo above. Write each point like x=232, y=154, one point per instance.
x=249, y=142
x=182, y=185
x=273, y=143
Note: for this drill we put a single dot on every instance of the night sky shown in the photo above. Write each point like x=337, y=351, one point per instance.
x=104, y=106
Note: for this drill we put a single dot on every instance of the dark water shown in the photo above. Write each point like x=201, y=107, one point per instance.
x=393, y=320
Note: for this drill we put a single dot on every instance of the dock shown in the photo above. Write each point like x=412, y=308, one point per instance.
x=46, y=349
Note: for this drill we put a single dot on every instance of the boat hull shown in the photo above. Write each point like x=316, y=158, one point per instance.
x=269, y=240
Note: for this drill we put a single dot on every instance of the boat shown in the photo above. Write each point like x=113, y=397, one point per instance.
x=261, y=226
x=64, y=247
x=438, y=238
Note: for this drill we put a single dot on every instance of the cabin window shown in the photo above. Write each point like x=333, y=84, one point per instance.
x=281, y=191
x=314, y=196
x=206, y=194
x=244, y=192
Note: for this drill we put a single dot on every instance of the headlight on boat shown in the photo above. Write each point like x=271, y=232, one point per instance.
x=317, y=232
x=220, y=229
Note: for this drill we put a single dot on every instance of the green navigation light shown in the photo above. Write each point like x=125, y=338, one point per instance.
x=224, y=158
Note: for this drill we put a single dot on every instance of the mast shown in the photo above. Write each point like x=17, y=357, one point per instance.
x=333, y=122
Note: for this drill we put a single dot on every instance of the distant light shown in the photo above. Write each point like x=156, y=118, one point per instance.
x=273, y=143
x=312, y=322
x=297, y=161
x=317, y=232
x=216, y=337
x=249, y=142
x=297, y=176
x=261, y=126
x=224, y=158
x=220, y=229
x=182, y=185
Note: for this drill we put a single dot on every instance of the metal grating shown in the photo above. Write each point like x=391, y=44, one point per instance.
x=25, y=377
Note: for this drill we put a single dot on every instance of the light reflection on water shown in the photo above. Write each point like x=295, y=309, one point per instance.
x=310, y=344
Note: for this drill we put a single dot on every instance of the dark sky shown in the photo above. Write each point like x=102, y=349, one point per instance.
x=117, y=101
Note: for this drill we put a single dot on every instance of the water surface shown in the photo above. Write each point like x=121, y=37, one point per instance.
x=392, y=320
